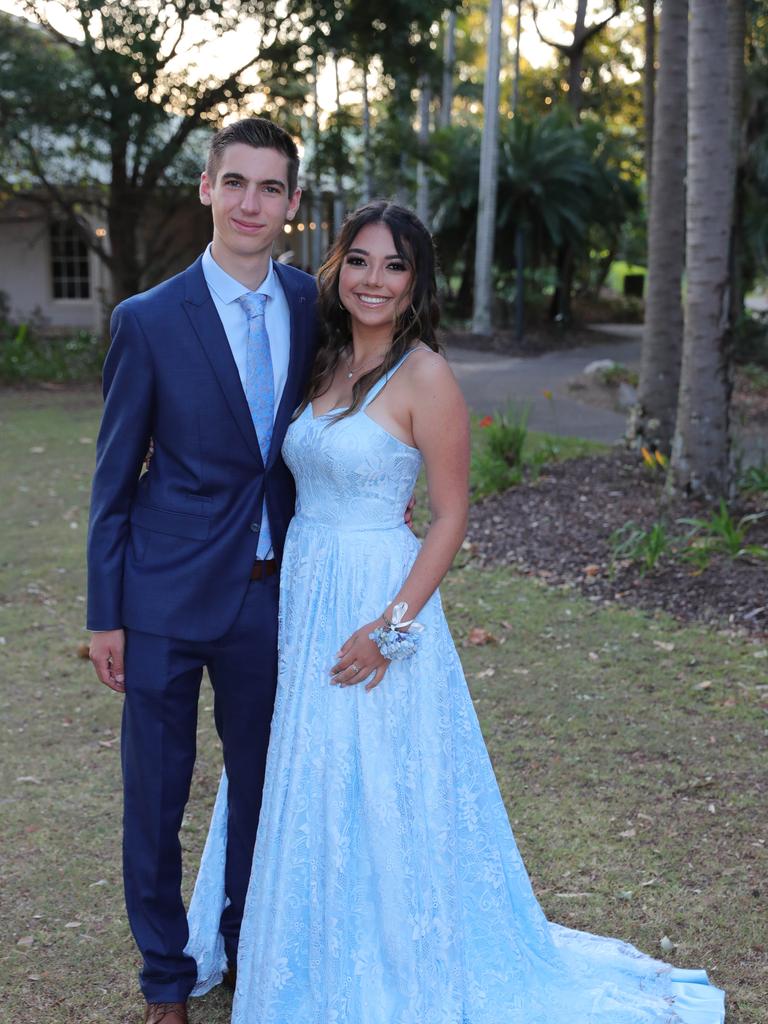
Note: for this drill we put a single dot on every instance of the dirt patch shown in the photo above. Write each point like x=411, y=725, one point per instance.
x=558, y=527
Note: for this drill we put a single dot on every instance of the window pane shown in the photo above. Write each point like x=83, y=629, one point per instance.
x=70, y=264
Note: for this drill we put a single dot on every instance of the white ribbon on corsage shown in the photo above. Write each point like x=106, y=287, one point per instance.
x=399, y=623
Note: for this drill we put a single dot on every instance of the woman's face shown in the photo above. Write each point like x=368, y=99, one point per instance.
x=374, y=282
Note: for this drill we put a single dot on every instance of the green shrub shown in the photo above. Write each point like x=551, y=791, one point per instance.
x=755, y=479
x=498, y=464
x=26, y=355
x=617, y=374
x=750, y=339
x=647, y=547
x=723, y=534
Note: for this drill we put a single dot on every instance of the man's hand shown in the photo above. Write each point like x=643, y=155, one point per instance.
x=106, y=652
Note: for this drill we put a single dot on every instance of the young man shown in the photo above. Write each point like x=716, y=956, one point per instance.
x=183, y=560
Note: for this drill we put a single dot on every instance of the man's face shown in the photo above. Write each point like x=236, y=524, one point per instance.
x=249, y=199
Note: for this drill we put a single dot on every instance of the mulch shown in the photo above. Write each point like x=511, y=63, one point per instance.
x=557, y=528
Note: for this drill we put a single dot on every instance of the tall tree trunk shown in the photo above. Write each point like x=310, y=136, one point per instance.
x=487, y=188
x=516, y=86
x=577, y=55
x=449, y=59
x=649, y=87
x=737, y=27
x=422, y=172
x=316, y=236
x=700, y=450
x=652, y=421
x=367, y=151
x=339, y=205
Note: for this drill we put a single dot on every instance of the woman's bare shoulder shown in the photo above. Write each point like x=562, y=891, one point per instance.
x=427, y=368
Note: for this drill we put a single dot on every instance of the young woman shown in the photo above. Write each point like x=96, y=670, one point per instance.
x=386, y=885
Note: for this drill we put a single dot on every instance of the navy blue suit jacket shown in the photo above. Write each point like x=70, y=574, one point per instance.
x=170, y=551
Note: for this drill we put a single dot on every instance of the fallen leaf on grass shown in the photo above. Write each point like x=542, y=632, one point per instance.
x=107, y=743
x=27, y=941
x=663, y=645
x=705, y=684
x=479, y=636
x=486, y=673
x=29, y=778
x=591, y=570
x=101, y=881
x=74, y=924
x=629, y=834
x=83, y=651
x=34, y=977
x=667, y=944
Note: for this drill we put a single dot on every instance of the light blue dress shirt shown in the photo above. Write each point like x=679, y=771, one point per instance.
x=225, y=291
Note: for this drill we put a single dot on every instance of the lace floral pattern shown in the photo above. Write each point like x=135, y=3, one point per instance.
x=387, y=887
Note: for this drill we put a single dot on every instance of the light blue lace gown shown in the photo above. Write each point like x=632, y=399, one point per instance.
x=386, y=886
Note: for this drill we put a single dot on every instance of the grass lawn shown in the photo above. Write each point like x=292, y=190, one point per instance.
x=631, y=754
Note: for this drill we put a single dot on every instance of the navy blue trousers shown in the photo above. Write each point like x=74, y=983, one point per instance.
x=159, y=730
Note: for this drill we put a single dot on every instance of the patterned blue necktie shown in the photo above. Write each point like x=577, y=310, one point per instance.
x=259, y=379
x=260, y=391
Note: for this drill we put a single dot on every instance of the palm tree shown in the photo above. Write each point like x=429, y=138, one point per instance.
x=652, y=421
x=700, y=450
x=551, y=187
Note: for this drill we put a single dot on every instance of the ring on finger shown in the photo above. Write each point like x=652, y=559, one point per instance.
x=353, y=668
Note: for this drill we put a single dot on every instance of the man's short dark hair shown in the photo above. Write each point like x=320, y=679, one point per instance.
x=261, y=134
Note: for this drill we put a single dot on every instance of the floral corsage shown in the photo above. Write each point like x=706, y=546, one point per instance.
x=393, y=644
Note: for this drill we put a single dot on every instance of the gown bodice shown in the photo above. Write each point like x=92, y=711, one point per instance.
x=351, y=474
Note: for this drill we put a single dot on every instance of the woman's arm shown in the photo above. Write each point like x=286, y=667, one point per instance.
x=440, y=425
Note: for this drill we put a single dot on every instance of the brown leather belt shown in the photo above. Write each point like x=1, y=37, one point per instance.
x=263, y=567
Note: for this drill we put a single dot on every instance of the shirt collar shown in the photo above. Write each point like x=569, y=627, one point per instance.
x=227, y=288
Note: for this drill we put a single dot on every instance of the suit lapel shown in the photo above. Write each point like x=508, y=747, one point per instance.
x=210, y=332
x=299, y=309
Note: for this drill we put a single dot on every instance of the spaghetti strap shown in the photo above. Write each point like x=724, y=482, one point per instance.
x=383, y=380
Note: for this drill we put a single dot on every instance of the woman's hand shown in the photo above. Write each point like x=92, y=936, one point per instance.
x=358, y=658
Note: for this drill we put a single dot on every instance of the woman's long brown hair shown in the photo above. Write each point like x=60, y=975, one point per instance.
x=418, y=322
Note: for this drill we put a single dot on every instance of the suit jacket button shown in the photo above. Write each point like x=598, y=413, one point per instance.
x=254, y=527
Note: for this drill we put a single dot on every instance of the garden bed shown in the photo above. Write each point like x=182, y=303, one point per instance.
x=558, y=528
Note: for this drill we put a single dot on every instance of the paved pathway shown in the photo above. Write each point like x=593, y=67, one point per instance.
x=489, y=381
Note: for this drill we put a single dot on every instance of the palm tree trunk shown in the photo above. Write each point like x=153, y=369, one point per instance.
x=367, y=151
x=486, y=214
x=316, y=237
x=339, y=205
x=449, y=59
x=737, y=73
x=649, y=87
x=422, y=173
x=652, y=421
x=516, y=86
x=700, y=450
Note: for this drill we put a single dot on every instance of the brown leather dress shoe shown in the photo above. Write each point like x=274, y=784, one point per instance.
x=166, y=1013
